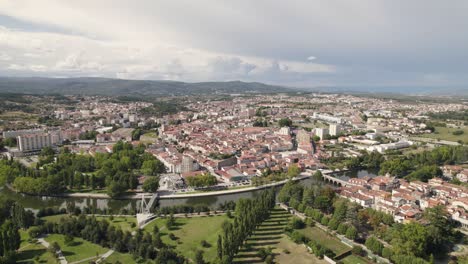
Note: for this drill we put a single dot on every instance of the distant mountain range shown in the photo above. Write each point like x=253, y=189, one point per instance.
x=119, y=87
x=150, y=88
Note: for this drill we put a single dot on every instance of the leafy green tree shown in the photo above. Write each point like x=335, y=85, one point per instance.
x=411, y=239
x=318, y=176
x=293, y=171
x=439, y=230
x=202, y=180
x=115, y=189
x=10, y=142
x=374, y=245
x=152, y=167
x=9, y=238
x=285, y=122
x=151, y=184
x=351, y=233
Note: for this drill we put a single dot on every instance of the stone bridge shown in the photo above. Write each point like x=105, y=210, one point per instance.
x=330, y=179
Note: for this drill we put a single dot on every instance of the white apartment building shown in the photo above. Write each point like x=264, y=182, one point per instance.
x=321, y=132
x=335, y=129
x=16, y=133
x=38, y=141
x=327, y=118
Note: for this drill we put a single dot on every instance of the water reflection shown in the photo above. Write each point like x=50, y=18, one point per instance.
x=116, y=205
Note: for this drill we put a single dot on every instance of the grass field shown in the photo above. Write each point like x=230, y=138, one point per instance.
x=353, y=259
x=445, y=133
x=54, y=218
x=30, y=252
x=190, y=232
x=121, y=257
x=123, y=222
x=271, y=234
x=33, y=253
x=79, y=250
x=321, y=237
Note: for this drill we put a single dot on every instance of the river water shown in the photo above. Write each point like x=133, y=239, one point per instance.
x=116, y=205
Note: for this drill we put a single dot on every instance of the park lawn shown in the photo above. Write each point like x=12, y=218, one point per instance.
x=79, y=250
x=119, y=221
x=24, y=238
x=353, y=259
x=123, y=258
x=190, y=232
x=124, y=222
x=271, y=234
x=445, y=133
x=32, y=252
x=318, y=235
x=298, y=254
x=54, y=218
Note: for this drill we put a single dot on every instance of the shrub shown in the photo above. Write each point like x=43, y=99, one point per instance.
x=351, y=233
x=374, y=245
x=325, y=219
x=387, y=253
x=333, y=224
x=342, y=228
x=310, y=222
x=172, y=236
x=357, y=250
x=205, y=244
x=320, y=250
x=296, y=223
x=34, y=232
x=69, y=240
x=298, y=237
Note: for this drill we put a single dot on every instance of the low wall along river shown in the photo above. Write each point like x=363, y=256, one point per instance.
x=116, y=205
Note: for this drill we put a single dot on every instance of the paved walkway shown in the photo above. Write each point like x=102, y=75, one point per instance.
x=343, y=239
x=46, y=244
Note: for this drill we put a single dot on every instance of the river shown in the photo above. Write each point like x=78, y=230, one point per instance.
x=116, y=205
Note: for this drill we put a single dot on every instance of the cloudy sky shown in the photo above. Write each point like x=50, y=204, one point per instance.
x=305, y=43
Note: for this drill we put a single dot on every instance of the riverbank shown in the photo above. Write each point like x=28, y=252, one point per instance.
x=138, y=196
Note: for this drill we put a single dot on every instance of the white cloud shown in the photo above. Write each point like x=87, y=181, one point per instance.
x=247, y=40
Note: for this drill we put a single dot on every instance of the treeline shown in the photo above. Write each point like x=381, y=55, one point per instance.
x=12, y=217
x=453, y=115
x=163, y=108
x=115, y=171
x=410, y=243
x=201, y=180
x=144, y=245
x=424, y=165
x=249, y=214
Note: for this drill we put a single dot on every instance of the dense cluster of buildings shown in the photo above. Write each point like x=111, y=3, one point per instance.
x=239, y=138
x=406, y=201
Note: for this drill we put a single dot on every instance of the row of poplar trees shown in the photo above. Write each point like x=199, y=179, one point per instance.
x=249, y=214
